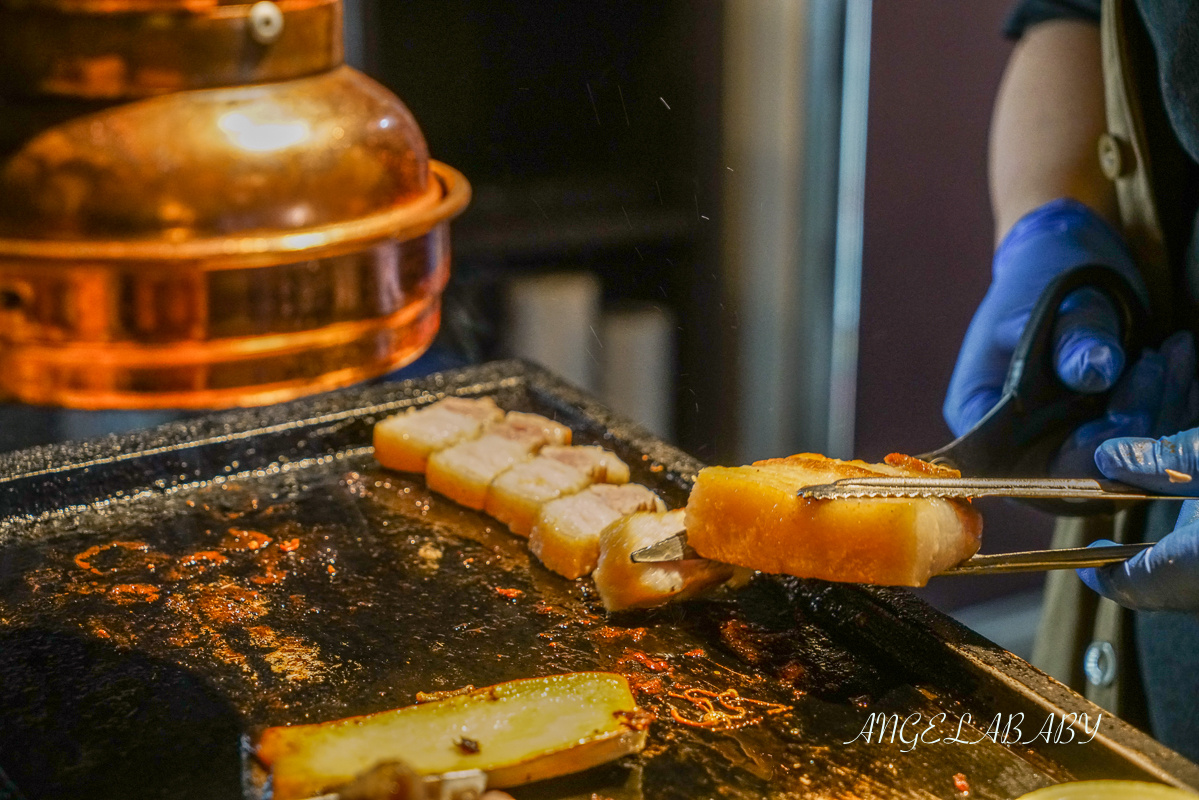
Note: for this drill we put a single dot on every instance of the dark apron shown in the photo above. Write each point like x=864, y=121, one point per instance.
x=1144, y=667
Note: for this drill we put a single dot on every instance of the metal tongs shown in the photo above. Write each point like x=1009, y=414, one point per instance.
x=1018, y=437
x=675, y=548
x=1064, y=489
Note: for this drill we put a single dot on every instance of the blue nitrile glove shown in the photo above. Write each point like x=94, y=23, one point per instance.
x=1166, y=576
x=1158, y=395
x=1163, y=578
x=1046, y=242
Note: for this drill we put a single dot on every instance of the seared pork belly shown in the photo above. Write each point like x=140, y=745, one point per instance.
x=602, y=465
x=517, y=495
x=465, y=471
x=566, y=536
x=753, y=517
x=623, y=584
x=405, y=441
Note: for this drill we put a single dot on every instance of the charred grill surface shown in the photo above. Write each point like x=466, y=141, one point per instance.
x=164, y=594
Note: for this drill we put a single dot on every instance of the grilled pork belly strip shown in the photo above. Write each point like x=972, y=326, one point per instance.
x=623, y=584
x=519, y=468
x=465, y=471
x=566, y=536
x=752, y=517
x=516, y=496
x=405, y=441
x=602, y=465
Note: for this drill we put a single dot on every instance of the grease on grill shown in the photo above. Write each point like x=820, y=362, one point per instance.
x=646, y=685
x=656, y=682
x=289, y=656
x=195, y=564
x=222, y=603
x=211, y=597
x=84, y=560
x=638, y=719
x=430, y=555
x=733, y=714
x=609, y=633
x=269, y=561
x=129, y=593
x=804, y=659
x=242, y=539
x=645, y=660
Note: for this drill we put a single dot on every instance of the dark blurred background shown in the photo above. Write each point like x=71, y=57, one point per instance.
x=591, y=135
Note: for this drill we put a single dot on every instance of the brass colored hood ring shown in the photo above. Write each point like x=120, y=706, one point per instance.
x=85, y=50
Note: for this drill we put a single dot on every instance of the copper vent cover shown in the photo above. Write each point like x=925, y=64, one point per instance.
x=201, y=206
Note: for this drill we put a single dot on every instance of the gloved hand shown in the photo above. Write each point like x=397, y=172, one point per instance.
x=1166, y=576
x=1158, y=395
x=1046, y=242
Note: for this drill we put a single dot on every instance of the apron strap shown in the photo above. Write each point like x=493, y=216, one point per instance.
x=1141, y=155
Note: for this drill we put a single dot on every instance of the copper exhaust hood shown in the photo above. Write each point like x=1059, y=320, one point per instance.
x=201, y=206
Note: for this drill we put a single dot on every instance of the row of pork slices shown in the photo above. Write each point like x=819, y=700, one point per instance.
x=575, y=504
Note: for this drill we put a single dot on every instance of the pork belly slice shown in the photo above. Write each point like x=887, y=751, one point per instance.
x=602, y=465
x=463, y=472
x=405, y=441
x=566, y=536
x=623, y=584
x=751, y=516
x=517, y=495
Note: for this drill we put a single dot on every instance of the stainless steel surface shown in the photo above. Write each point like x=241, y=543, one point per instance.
x=1054, y=488
x=673, y=549
x=1041, y=560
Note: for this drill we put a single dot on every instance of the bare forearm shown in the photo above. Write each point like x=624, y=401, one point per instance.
x=1048, y=118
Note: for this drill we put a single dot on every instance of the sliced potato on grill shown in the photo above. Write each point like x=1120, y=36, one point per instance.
x=516, y=732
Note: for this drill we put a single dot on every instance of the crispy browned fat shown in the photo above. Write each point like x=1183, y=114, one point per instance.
x=752, y=516
x=519, y=731
x=624, y=584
